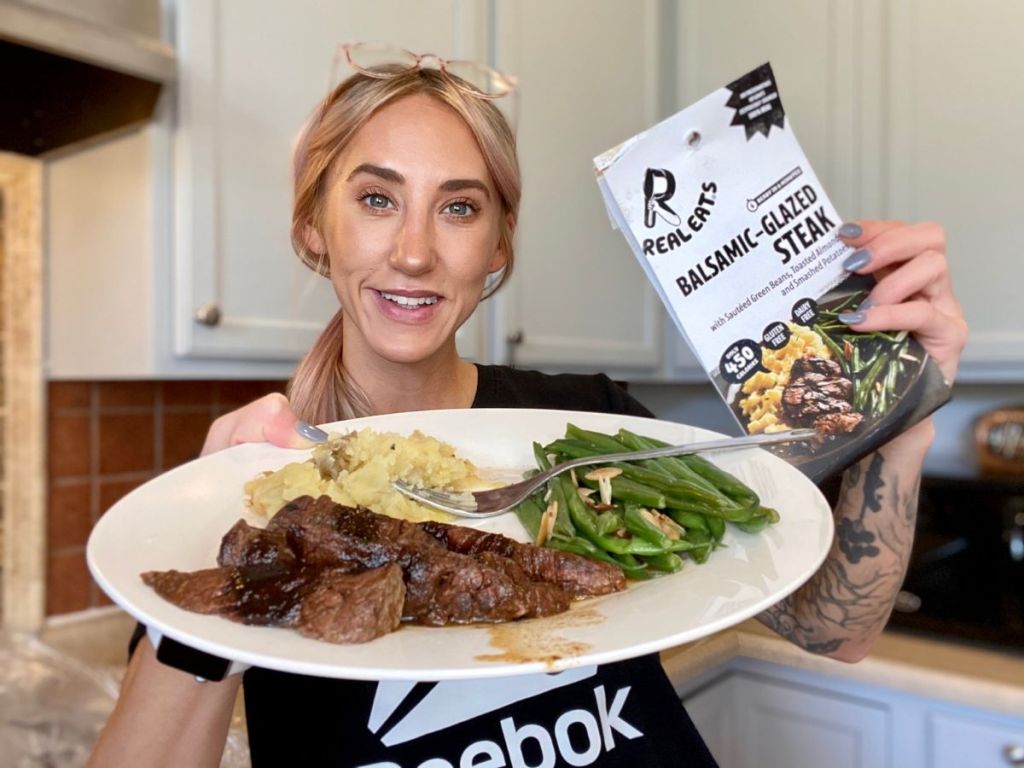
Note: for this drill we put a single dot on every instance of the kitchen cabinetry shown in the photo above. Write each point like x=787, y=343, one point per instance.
x=591, y=77
x=753, y=713
x=903, y=108
x=905, y=111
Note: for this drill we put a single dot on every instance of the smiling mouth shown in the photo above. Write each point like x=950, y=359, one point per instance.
x=411, y=302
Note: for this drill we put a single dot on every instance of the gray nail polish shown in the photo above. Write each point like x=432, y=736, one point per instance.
x=856, y=260
x=851, y=318
x=851, y=230
x=866, y=305
x=310, y=432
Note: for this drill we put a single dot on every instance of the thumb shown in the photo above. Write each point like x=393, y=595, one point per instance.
x=279, y=426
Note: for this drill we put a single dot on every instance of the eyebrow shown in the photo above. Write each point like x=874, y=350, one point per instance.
x=389, y=174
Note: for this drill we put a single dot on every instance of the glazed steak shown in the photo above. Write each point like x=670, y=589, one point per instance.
x=577, y=575
x=326, y=603
x=819, y=396
x=349, y=575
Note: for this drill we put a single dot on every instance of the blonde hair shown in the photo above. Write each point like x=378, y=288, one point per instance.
x=320, y=391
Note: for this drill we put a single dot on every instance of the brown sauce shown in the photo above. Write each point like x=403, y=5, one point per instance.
x=540, y=640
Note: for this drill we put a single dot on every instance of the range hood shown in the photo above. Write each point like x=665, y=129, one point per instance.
x=71, y=70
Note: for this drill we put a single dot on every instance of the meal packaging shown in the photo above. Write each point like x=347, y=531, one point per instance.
x=734, y=230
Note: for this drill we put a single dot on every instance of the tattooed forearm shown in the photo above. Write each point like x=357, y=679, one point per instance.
x=847, y=602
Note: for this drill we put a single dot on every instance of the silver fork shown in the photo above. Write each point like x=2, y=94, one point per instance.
x=481, y=504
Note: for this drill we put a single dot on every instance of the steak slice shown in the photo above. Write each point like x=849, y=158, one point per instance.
x=818, y=396
x=442, y=587
x=321, y=531
x=577, y=575
x=353, y=607
x=251, y=594
x=244, y=544
x=329, y=604
x=459, y=589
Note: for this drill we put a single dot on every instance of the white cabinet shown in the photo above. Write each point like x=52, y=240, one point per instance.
x=755, y=714
x=750, y=721
x=956, y=100
x=907, y=110
x=590, y=74
x=956, y=740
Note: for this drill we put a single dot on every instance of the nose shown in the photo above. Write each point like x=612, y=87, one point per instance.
x=414, y=252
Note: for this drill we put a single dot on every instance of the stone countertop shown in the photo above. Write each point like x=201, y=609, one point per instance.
x=925, y=667
x=935, y=669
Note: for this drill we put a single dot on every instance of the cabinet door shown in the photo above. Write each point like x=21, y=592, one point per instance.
x=957, y=740
x=785, y=726
x=250, y=74
x=713, y=713
x=957, y=111
x=589, y=74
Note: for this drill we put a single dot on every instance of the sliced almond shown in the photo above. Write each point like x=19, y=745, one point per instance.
x=603, y=476
x=547, y=524
x=663, y=524
x=603, y=473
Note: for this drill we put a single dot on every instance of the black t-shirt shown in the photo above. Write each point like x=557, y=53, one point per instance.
x=622, y=714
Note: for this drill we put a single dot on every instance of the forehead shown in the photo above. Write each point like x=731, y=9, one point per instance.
x=416, y=134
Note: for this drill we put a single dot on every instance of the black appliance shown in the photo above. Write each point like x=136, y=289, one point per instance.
x=966, y=574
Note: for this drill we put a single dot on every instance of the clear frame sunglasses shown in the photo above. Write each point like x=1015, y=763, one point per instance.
x=384, y=61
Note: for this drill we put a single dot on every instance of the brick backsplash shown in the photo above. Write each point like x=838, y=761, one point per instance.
x=104, y=439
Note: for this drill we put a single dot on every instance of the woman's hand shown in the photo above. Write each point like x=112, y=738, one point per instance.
x=269, y=419
x=914, y=292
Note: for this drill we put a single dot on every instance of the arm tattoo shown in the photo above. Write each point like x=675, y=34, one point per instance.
x=850, y=597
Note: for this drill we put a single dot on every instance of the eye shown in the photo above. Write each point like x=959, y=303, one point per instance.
x=376, y=200
x=461, y=208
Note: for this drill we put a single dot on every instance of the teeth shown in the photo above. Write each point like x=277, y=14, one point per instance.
x=408, y=301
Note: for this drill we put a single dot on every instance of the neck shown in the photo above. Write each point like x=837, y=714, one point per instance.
x=442, y=381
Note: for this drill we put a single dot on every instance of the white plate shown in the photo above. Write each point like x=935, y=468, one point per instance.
x=177, y=520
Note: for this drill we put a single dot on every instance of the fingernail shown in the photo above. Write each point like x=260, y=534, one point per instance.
x=851, y=230
x=856, y=260
x=851, y=318
x=310, y=432
x=866, y=305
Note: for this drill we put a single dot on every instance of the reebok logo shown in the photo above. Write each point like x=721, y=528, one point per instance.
x=578, y=738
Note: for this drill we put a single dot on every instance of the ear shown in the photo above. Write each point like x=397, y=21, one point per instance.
x=314, y=240
x=500, y=259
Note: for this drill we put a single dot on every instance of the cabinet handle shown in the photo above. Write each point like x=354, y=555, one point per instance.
x=1014, y=754
x=907, y=602
x=512, y=341
x=208, y=314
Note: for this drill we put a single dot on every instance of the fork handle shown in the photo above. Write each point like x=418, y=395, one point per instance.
x=703, y=446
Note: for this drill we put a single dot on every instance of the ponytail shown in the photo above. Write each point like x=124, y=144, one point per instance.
x=320, y=392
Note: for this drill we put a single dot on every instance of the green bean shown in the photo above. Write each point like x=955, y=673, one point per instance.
x=604, y=443
x=586, y=524
x=833, y=348
x=624, y=489
x=668, y=563
x=703, y=545
x=725, y=482
x=638, y=525
x=541, y=457
x=673, y=464
x=579, y=546
x=716, y=526
x=609, y=522
x=530, y=513
x=633, y=568
x=688, y=519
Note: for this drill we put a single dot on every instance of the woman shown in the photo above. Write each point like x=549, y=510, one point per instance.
x=407, y=190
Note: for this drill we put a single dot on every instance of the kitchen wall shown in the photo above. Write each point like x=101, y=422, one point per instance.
x=105, y=438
